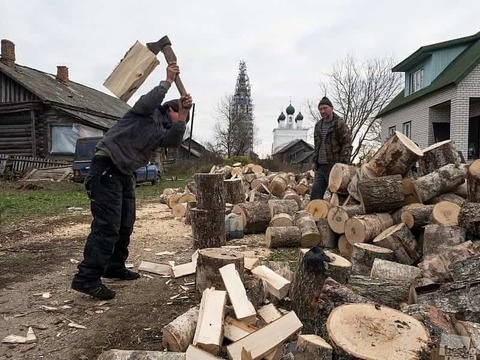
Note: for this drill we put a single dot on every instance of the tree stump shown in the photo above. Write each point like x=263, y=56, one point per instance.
x=310, y=235
x=345, y=248
x=450, y=197
x=210, y=191
x=208, y=228
x=437, y=155
x=282, y=206
x=440, y=181
x=418, y=216
x=208, y=264
x=340, y=177
x=401, y=241
x=396, y=156
x=234, y=193
x=178, y=335
x=382, y=194
x=473, y=182
x=367, y=331
x=281, y=219
x=363, y=256
x=318, y=208
x=339, y=268
x=255, y=215
x=305, y=291
x=445, y=213
x=469, y=218
x=390, y=270
x=327, y=236
x=438, y=238
x=364, y=228
x=283, y=236
x=338, y=216
x=390, y=293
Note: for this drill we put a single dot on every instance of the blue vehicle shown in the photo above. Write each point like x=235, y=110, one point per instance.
x=84, y=151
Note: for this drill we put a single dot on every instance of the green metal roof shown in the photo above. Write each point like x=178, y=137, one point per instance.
x=452, y=75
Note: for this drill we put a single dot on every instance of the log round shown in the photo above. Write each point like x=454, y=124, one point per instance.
x=469, y=218
x=283, y=236
x=466, y=269
x=397, y=215
x=437, y=155
x=339, y=268
x=179, y=210
x=279, y=184
x=364, y=228
x=368, y=331
x=417, y=216
x=340, y=176
x=327, y=236
x=257, y=183
x=208, y=228
x=363, y=256
x=308, y=227
x=282, y=206
x=391, y=270
x=437, y=238
x=344, y=247
x=401, y=241
x=210, y=191
x=234, y=193
x=445, y=213
x=362, y=173
x=318, y=208
x=281, y=219
x=382, y=194
x=255, y=215
x=302, y=187
x=209, y=262
x=290, y=194
x=473, y=182
x=451, y=197
x=338, y=216
x=396, y=156
x=178, y=335
x=257, y=169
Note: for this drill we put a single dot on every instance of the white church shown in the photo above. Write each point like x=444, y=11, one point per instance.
x=289, y=129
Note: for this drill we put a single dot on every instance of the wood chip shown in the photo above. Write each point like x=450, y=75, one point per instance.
x=76, y=326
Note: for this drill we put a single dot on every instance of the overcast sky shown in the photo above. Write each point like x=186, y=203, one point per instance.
x=288, y=46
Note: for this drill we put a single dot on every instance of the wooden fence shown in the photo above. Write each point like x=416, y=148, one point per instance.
x=22, y=164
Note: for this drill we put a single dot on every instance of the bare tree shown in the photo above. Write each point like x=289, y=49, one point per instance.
x=233, y=130
x=359, y=90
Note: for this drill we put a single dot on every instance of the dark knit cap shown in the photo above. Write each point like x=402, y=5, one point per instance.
x=325, y=101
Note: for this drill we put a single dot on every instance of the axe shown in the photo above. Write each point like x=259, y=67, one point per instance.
x=164, y=45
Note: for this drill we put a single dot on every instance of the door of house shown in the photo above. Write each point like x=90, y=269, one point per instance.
x=474, y=138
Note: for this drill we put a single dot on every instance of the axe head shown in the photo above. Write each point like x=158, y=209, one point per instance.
x=156, y=47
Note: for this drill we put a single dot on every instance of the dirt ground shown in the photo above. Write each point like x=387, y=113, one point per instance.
x=37, y=262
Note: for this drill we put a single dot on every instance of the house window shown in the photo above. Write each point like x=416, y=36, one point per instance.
x=407, y=129
x=391, y=130
x=416, y=81
x=63, y=139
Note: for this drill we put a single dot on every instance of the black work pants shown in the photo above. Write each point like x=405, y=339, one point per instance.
x=112, y=202
x=320, y=182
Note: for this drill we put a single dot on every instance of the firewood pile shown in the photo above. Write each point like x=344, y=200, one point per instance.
x=395, y=254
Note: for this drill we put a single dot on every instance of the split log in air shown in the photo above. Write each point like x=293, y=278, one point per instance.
x=445, y=213
x=310, y=235
x=178, y=335
x=338, y=216
x=401, y=241
x=282, y=219
x=208, y=228
x=282, y=206
x=318, y=208
x=255, y=215
x=396, y=156
x=210, y=191
x=469, y=218
x=437, y=155
x=438, y=238
x=440, y=181
x=364, y=228
x=390, y=293
x=283, y=236
x=340, y=176
x=363, y=256
x=418, y=216
x=382, y=194
x=234, y=193
x=327, y=236
x=395, y=335
x=209, y=262
x=390, y=270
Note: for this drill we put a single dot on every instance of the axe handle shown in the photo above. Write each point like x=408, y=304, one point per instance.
x=171, y=57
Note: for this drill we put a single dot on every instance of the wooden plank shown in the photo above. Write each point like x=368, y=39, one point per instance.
x=159, y=269
x=208, y=334
x=277, y=285
x=264, y=340
x=244, y=309
x=269, y=313
x=132, y=71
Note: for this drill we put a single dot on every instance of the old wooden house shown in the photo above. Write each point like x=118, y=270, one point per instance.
x=297, y=152
x=43, y=114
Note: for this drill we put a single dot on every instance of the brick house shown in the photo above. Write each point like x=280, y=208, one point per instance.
x=441, y=98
